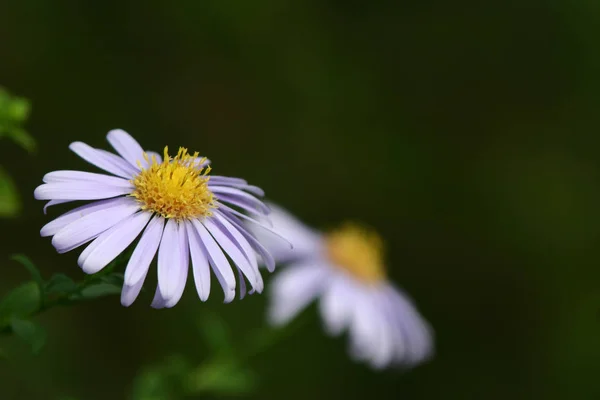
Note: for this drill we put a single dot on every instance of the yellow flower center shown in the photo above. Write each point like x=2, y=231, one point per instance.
x=358, y=251
x=176, y=188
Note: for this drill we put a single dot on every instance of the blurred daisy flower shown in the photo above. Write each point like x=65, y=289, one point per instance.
x=344, y=269
x=180, y=211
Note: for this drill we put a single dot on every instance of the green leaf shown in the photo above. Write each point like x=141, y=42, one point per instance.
x=18, y=109
x=22, y=138
x=115, y=278
x=14, y=111
x=10, y=204
x=162, y=381
x=20, y=302
x=216, y=334
x=221, y=377
x=30, y=266
x=30, y=332
x=60, y=283
x=99, y=290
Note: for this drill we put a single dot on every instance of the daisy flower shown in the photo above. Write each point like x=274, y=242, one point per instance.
x=344, y=269
x=180, y=210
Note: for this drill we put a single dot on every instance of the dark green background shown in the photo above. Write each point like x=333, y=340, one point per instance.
x=466, y=132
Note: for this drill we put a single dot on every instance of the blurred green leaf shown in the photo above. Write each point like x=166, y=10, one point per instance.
x=14, y=111
x=22, y=138
x=9, y=199
x=115, y=278
x=30, y=266
x=223, y=378
x=60, y=283
x=99, y=290
x=20, y=302
x=216, y=334
x=30, y=332
x=162, y=381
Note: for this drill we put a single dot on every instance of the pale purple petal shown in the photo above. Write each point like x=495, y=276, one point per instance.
x=336, y=305
x=156, y=156
x=363, y=329
x=217, y=261
x=234, y=183
x=112, y=243
x=234, y=234
x=258, y=219
x=158, y=301
x=266, y=231
x=103, y=160
x=78, y=190
x=127, y=147
x=183, y=265
x=144, y=252
x=226, y=180
x=239, y=198
x=130, y=293
x=53, y=203
x=293, y=289
x=201, y=162
x=266, y=257
x=52, y=227
x=89, y=177
x=91, y=225
x=169, y=261
x=417, y=333
x=242, y=283
x=306, y=242
x=200, y=266
x=233, y=251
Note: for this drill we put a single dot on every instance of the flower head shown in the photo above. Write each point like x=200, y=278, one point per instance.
x=181, y=211
x=344, y=269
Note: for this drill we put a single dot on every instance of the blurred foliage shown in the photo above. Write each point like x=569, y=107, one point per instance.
x=14, y=112
x=19, y=306
x=224, y=373
x=9, y=199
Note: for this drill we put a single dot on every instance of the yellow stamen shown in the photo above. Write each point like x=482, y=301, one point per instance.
x=175, y=188
x=358, y=251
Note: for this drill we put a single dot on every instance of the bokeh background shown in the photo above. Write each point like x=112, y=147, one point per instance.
x=466, y=132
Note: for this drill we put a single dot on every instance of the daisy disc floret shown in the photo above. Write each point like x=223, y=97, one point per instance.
x=175, y=188
x=182, y=215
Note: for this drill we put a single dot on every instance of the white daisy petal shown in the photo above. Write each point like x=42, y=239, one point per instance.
x=127, y=147
x=144, y=252
x=112, y=243
x=293, y=289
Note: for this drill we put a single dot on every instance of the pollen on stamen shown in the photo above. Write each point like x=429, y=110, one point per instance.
x=358, y=251
x=175, y=188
